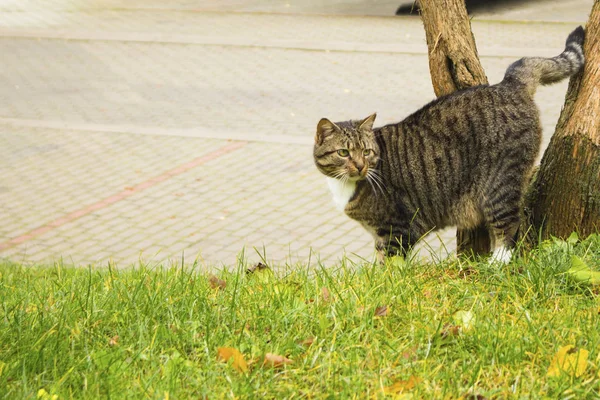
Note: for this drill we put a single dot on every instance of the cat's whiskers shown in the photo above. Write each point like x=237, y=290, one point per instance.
x=345, y=178
x=376, y=174
x=373, y=175
x=379, y=181
x=371, y=183
x=339, y=174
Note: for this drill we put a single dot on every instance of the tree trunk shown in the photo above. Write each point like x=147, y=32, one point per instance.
x=453, y=60
x=454, y=65
x=565, y=196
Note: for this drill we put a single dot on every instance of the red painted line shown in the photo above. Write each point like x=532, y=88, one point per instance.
x=120, y=196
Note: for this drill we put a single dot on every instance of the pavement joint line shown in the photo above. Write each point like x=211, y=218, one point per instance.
x=297, y=45
x=306, y=14
x=198, y=132
x=49, y=226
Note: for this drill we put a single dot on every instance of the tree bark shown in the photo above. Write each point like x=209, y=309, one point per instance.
x=565, y=196
x=453, y=60
x=454, y=65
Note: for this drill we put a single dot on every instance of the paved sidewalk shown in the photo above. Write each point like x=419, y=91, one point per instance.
x=151, y=132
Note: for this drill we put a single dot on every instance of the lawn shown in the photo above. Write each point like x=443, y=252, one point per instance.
x=451, y=329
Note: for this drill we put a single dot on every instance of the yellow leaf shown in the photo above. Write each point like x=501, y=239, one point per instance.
x=402, y=386
x=113, y=341
x=225, y=353
x=464, y=319
x=42, y=394
x=568, y=360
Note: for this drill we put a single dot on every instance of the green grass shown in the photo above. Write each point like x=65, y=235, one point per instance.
x=59, y=327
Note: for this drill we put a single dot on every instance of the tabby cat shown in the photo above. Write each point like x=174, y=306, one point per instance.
x=463, y=159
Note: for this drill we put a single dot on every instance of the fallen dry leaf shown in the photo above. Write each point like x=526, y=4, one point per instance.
x=275, y=360
x=466, y=272
x=381, y=311
x=325, y=294
x=569, y=360
x=225, y=353
x=113, y=341
x=410, y=353
x=402, y=386
x=307, y=342
x=449, y=330
x=216, y=283
x=259, y=266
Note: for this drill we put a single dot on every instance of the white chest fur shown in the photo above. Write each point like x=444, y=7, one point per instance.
x=342, y=192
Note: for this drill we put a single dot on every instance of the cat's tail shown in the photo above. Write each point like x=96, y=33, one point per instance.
x=533, y=71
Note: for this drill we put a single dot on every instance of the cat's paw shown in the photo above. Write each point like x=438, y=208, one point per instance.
x=502, y=255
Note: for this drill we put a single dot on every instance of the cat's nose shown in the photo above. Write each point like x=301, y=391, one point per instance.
x=361, y=168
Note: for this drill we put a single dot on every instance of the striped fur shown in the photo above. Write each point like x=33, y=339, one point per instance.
x=463, y=159
x=532, y=71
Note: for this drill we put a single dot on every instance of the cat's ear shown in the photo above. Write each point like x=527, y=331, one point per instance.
x=324, y=128
x=367, y=123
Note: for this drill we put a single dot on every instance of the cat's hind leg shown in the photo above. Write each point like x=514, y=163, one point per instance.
x=502, y=215
x=501, y=255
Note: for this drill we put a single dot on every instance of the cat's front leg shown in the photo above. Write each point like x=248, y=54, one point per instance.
x=389, y=247
x=381, y=250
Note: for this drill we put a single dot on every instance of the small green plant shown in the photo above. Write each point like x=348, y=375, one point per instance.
x=410, y=329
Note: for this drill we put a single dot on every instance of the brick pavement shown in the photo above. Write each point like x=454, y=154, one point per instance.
x=146, y=133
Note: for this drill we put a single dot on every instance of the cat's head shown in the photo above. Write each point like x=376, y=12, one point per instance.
x=346, y=150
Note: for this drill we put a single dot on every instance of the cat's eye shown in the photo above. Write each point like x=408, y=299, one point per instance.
x=343, y=153
x=367, y=152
